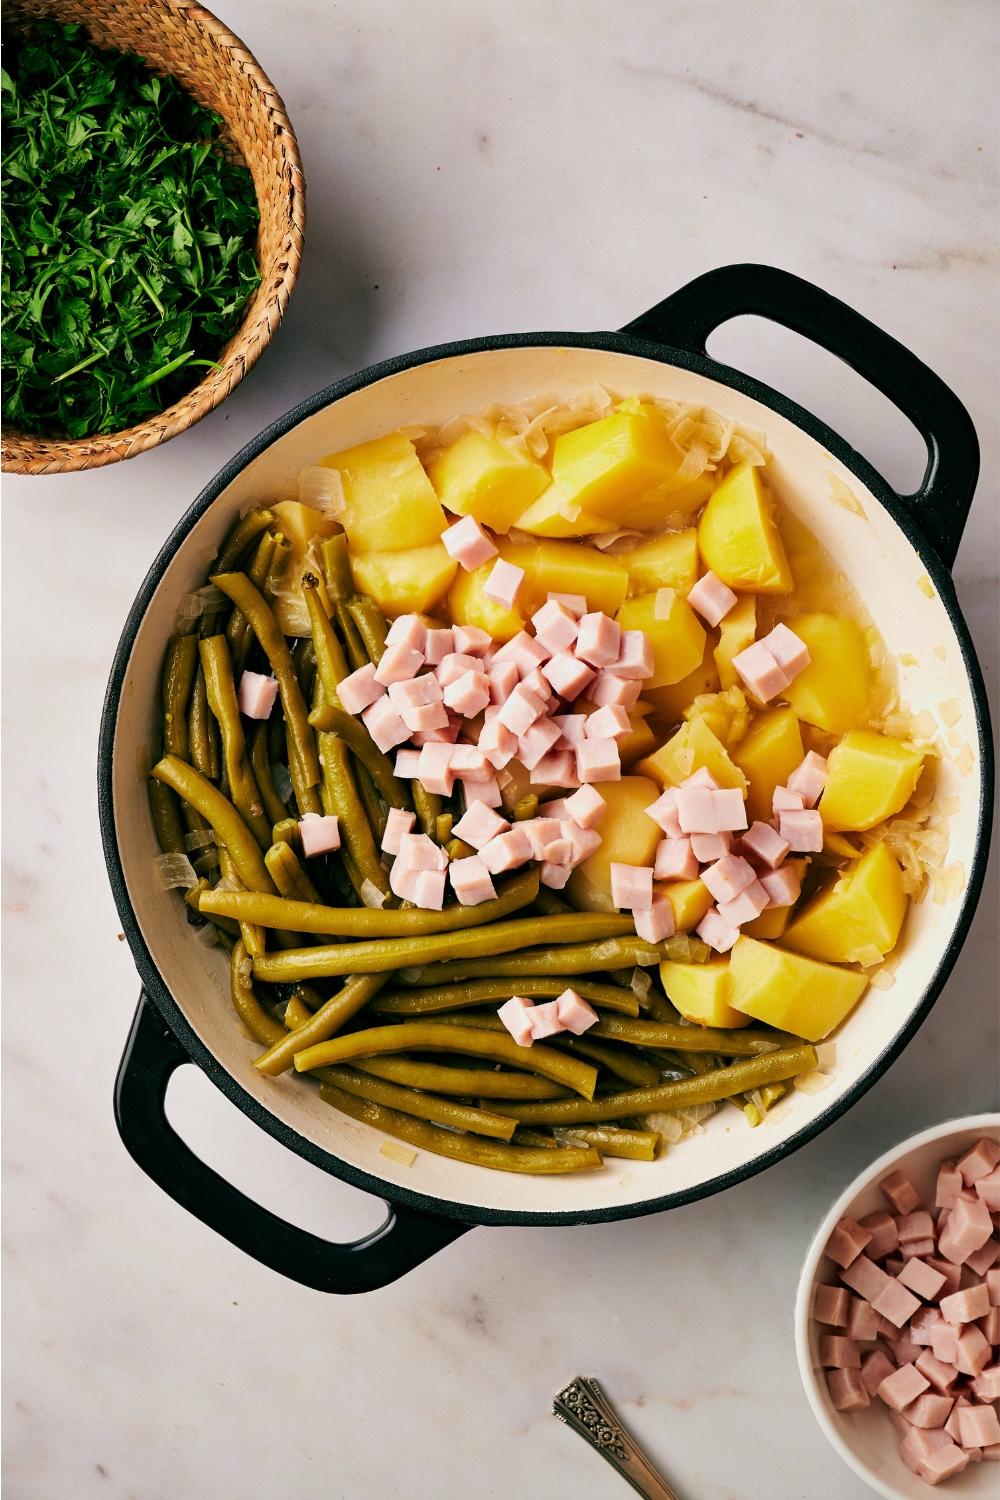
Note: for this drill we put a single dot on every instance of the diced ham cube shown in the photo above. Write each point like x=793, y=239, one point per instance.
x=929, y=1410
x=607, y=724
x=902, y=1195
x=434, y=769
x=730, y=811
x=746, y=906
x=257, y=694
x=767, y=845
x=417, y=692
x=478, y=825
x=468, y=543
x=403, y=881
x=875, y=1367
x=540, y=833
x=397, y=823
x=574, y=1013
x=884, y=1238
x=554, y=876
x=536, y=741
x=635, y=656
x=967, y=1305
x=407, y=762
x=481, y=791
x=942, y=1464
x=583, y=841
x=398, y=664
x=915, y=1226
x=969, y=1226
x=555, y=626
x=703, y=779
x=832, y=1304
x=695, y=810
x=918, y=1276
x=728, y=876
x=439, y=644
x=781, y=886
x=988, y=1190
x=862, y=1322
x=979, y=1161
x=470, y=880
x=567, y=676
x=556, y=768
x=675, y=860
x=536, y=682
x=664, y=812
x=471, y=641
x=468, y=763
x=918, y=1443
x=710, y=847
x=319, y=835
x=941, y=1376
x=788, y=650
x=902, y=1387
x=503, y=678
x=516, y=1016
x=611, y=691
x=847, y=1390
x=524, y=651
x=973, y=1352
x=384, y=724
x=408, y=630
x=838, y=1353
x=993, y=1287
x=712, y=598
x=430, y=889
x=922, y=1324
x=503, y=584
x=944, y=1343
x=424, y=719
x=760, y=672
x=545, y=1021
x=904, y=1350
x=418, y=852
x=359, y=689
x=921, y=1248
x=655, y=922
x=497, y=743
x=446, y=736
x=802, y=830
x=987, y=1383
x=469, y=695
x=785, y=800
x=896, y=1303
x=521, y=710
x=454, y=666
x=599, y=640
x=809, y=778
x=859, y=1273
x=506, y=851
x=978, y=1426
x=575, y=603
x=598, y=760
x=631, y=886
x=572, y=730
x=716, y=932
x=949, y=1183
x=980, y=1260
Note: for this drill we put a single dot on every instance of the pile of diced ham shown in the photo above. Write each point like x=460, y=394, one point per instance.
x=919, y=1310
x=528, y=1022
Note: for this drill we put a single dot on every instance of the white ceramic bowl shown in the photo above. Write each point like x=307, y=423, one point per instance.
x=866, y=1440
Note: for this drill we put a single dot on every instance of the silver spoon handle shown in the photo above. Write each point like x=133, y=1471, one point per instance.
x=583, y=1406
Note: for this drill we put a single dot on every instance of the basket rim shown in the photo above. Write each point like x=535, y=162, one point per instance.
x=28, y=453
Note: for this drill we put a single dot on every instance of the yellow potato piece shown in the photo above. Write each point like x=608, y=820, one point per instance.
x=391, y=504
x=629, y=837
x=669, y=703
x=300, y=525
x=550, y=516
x=666, y=562
x=468, y=605
x=479, y=476
x=573, y=568
x=606, y=463
x=641, y=741
x=738, y=538
x=791, y=992
x=737, y=632
x=663, y=505
x=832, y=692
x=403, y=583
x=767, y=756
x=678, y=640
x=871, y=777
x=863, y=909
x=690, y=900
x=701, y=992
x=692, y=747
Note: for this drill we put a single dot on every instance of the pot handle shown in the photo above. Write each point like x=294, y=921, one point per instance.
x=408, y=1237
x=941, y=504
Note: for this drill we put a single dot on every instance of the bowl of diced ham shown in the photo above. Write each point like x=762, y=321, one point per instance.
x=898, y=1315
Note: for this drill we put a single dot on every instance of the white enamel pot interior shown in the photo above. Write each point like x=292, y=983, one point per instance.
x=875, y=554
x=866, y=1440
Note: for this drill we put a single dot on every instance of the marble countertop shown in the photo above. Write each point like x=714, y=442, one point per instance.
x=475, y=169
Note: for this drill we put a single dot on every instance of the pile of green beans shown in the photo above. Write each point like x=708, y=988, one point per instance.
x=390, y=1008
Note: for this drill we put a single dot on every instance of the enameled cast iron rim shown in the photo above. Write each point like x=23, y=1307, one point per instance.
x=619, y=343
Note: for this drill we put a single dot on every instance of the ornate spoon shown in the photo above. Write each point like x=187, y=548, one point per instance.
x=583, y=1406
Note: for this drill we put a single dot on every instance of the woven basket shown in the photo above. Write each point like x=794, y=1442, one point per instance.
x=180, y=37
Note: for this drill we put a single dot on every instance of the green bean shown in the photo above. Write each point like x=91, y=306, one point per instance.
x=659, y=1008
x=277, y=748
x=423, y=1106
x=252, y=933
x=392, y=953
x=333, y=720
x=452, y=997
x=745, y=1075
x=636, y=1145
x=304, y=662
x=372, y=625
x=474, y=1149
x=435, y=1078
x=548, y=904
x=525, y=808
x=223, y=702
x=330, y=1017
x=686, y=1038
x=304, y=763
x=459, y=849
x=203, y=732
x=375, y=809
x=238, y=632
x=428, y=1037
x=301, y=915
x=336, y=564
x=290, y=878
x=331, y=664
x=296, y=1014
x=427, y=806
x=525, y=1137
x=261, y=766
x=578, y=958
x=193, y=899
x=621, y=1061
x=262, y=1027
x=442, y=830
x=278, y=567
x=286, y=831
x=243, y=533
x=166, y=819
x=179, y=668
x=340, y=799
x=229, y=828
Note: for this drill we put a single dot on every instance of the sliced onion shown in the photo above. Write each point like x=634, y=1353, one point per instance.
x=175, y=870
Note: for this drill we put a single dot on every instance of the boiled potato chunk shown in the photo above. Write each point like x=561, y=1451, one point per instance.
x=692, y=747
x=553, y=515
x=300, y=525
x=738, y=538
x=871, y=777
x=480, y=476
x=665, y=562
x=403, y=583
x=572, y=568
x=767, y=756
x=651, y=509
x=790, y=992
x=832, y=692
x=701, y=992
x=862, y=910
x=628, y=836
x=391, y=504
x=690, y=900
x=607, y=463
x=678, y=640
x=737, y=632
x=468, y=605
x=640, y=741
x=669, y=703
